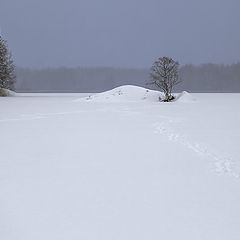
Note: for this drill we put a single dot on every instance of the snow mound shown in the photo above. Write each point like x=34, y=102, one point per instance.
x=6, y=93
x=124, y=93
x=185, y=97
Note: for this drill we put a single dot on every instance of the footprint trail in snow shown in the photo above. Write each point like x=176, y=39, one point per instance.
x=222, y=165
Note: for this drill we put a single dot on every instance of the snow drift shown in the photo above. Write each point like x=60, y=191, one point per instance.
x=185, y=97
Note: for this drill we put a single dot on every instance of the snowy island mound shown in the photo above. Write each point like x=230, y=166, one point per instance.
x=131, y=93
x=124, y=93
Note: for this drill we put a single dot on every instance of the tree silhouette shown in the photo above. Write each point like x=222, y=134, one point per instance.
x=164, y=75
x=7, y=68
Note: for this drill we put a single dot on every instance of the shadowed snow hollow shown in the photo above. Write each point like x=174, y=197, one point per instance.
x=7, y=93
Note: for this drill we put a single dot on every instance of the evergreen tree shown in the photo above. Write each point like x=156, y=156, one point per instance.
x=7, y=68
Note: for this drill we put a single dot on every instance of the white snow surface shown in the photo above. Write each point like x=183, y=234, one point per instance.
x=125, y=169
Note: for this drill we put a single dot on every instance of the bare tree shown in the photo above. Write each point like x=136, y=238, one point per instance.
x=164, y=75
x=7, y=68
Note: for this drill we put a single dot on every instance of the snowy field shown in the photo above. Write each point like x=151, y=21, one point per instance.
x=120, y=166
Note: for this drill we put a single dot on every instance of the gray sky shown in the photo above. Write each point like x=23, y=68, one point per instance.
x=120, y=33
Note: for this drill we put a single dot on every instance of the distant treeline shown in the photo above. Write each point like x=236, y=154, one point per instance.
x=202, y=78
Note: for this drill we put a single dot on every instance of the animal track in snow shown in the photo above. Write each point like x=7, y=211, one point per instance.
x=221, y=164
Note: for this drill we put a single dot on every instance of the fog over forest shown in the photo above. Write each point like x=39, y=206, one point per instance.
x=195, y=78
x=125, y=37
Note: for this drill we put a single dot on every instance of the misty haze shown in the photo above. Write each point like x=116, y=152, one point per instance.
x=119, y=120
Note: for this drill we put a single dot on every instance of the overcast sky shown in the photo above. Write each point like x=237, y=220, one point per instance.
x=120, y=33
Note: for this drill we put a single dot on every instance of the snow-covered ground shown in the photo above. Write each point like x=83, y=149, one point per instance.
x=122, y=167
